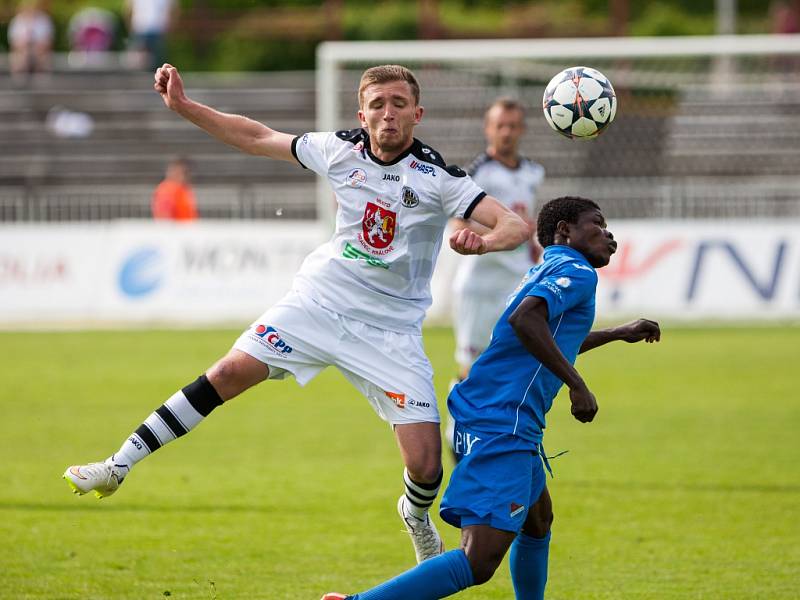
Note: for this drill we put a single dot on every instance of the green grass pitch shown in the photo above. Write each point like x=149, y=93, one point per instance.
x=687, y=485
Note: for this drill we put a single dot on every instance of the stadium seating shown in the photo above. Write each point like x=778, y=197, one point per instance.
x=697, y=154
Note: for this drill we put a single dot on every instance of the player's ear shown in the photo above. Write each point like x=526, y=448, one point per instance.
x=418, y=112
x=362, y=118
x=562, y=229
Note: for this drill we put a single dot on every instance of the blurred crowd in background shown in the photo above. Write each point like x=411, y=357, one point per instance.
x=221, y=34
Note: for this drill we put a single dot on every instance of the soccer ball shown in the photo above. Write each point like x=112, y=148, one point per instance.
x=579, y=102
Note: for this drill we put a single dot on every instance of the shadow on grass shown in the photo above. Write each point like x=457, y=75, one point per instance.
x=90, y=506
x=651, y=486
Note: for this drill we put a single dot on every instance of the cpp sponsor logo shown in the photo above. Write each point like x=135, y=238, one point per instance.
x=271, y=336
x=424, y=169
x=141, y=273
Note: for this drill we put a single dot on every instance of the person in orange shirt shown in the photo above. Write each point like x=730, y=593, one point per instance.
x=173, y=198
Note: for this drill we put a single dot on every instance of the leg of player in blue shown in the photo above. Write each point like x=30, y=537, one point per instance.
x=528, y=561
x=530, y=551
x=434, y=578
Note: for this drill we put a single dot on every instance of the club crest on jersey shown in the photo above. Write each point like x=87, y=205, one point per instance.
x=378, y=226
x=356, y=178
x=409, y=197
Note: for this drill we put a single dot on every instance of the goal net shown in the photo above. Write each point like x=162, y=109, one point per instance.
x=706, y=126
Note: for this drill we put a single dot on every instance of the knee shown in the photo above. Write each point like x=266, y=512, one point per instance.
x=223, y=374
x=426, y=470
x=539, y=523
x=483, y=567
x=234, y=373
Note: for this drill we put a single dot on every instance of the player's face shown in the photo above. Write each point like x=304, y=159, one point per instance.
x=503, y=129
x=590, y=237
x=389, y=113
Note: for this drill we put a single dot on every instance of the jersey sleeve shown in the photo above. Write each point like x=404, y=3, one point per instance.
x=460, y=194
x=313, y=150
x=567, y=286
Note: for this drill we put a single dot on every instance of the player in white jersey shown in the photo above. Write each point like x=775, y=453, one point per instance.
x=482, y=283
x=358, y=301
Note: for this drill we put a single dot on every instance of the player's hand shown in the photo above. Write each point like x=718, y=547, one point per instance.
x=641, y=329
x=466, y=241
x=584, y=405
x=170, y=85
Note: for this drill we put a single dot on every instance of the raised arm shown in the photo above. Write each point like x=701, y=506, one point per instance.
x=240, y=132
x=501, y=229
x=529, y=321
x=635, y=331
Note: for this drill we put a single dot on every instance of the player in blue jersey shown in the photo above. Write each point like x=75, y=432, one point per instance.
x=497, y=493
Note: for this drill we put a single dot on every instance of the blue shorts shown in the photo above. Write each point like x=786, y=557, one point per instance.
x=497, y=479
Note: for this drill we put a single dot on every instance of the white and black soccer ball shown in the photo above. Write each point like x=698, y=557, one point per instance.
x=579, y=102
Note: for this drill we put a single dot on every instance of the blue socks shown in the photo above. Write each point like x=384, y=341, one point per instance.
x=528, y=560
x=450, y=572
x=434, y=578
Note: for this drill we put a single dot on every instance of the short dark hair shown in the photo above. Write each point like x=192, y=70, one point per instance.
x=565, y=208
x=387, y=74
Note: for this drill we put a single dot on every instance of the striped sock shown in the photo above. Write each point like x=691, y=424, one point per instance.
x=420, y=496
x=176, y=417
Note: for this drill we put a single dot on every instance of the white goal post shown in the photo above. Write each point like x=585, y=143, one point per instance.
x=683, y=63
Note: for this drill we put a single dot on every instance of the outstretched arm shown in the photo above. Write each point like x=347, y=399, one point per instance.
x=529, y=321
x=498, y=228
x=240, y=132
x=635, y=331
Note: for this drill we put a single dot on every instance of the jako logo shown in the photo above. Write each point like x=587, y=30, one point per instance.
x=141, y=273
x=424, y=169
x=391, y=177
x=273, y=338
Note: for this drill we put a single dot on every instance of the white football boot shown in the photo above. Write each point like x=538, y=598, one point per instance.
x=427, y=541
x=103, y=478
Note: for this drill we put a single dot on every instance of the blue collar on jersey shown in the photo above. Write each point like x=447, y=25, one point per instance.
x=559, y=250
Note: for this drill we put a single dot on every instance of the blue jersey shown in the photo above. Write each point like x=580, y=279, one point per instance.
x=508, y=390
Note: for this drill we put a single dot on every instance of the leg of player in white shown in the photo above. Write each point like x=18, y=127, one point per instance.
x=301, y=338
x=181, y=413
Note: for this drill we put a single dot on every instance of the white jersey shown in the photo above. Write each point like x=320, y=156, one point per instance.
x=516, y=188
x=390, y=222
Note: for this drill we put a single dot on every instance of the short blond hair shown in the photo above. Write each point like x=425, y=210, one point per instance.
x=506, y=103
x=387, y=74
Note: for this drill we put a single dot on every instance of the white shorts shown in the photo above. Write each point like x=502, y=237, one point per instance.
x=297, y=336
x=474, y=318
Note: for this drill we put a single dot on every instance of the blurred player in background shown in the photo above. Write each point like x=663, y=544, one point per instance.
x=497, y=493
x=358, y=301
x=173, y=198
x=482, y=283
